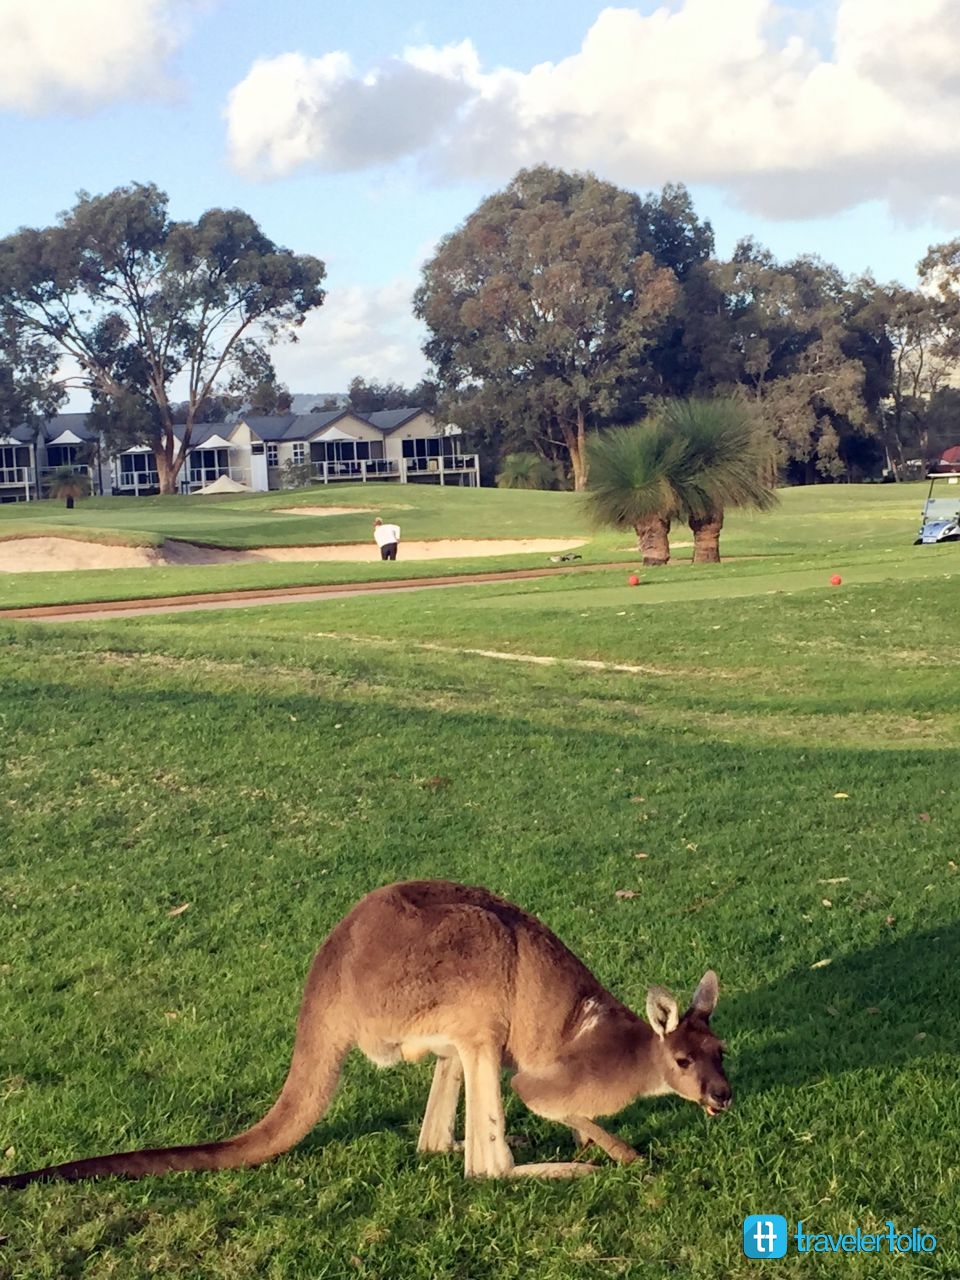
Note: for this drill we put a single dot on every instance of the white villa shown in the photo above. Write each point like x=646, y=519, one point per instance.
x=402, y=446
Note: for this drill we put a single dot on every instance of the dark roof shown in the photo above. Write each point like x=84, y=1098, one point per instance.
x=292, y=426
x=273, y=428
x=53, y=427
x=204, y=430
x=308, y=424
x=389, y=419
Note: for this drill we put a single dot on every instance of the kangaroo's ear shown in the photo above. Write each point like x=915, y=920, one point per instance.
x=706, y=995
x=662, y=1012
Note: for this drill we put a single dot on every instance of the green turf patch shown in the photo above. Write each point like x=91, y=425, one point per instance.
x=190, y=802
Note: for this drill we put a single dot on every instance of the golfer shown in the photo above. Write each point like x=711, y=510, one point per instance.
x=386, y=537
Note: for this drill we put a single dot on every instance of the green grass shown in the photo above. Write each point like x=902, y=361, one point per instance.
x=785, y=755
x=271, y=520
x=845, y=524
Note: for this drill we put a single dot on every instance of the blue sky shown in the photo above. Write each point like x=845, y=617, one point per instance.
x=364, y=132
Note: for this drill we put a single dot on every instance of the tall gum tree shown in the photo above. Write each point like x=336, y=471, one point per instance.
x=541, y=307
x=811, y=354
x=30, y=391
x=153, y=311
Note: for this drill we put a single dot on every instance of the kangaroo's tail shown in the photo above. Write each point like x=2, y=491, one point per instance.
x=311, y=1082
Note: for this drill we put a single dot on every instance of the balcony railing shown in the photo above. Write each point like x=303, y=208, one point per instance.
x=137, y=482
x=363, y=469
x=18, y=476
x=446, y=462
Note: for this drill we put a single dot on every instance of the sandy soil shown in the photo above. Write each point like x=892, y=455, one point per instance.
x=323, y=511
x=33, y=555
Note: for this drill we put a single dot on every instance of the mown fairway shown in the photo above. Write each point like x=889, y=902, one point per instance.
x=831, y=527
x=784, y=755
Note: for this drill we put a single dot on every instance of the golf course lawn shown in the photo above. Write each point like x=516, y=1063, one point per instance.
x=738, y=766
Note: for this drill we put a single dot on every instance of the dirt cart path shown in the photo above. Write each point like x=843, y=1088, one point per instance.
x=96, y=611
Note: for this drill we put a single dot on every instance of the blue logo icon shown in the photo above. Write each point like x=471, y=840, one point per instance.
x=765, y=1235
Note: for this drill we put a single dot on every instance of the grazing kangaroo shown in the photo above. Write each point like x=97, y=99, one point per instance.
x=431, y=967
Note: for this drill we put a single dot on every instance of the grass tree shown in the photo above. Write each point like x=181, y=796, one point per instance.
x=724, y=462
x=690, y=460
x=68, y=484
x=633, y=472
x=527, y=471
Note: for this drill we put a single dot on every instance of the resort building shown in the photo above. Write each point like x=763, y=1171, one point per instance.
x=402, y=446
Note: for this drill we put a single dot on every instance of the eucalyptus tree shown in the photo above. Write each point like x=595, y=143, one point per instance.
x=154, y=311
x=30, y=390
x=541, y=307
x=812, y=354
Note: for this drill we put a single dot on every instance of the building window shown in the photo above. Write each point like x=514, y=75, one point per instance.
x=138, y=470
x=207, y=465
x=273, y=455
x=299, y=453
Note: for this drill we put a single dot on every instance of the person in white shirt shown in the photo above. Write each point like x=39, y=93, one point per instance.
x=386, y=537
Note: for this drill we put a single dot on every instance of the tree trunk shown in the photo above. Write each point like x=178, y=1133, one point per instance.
x=706, y=538
x=578, y=456
x=575, y=439
x=653, y=539
x=171, y=456
x=166, y=473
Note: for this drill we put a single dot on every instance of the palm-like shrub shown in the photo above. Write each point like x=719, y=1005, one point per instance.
x=68, y=484
x=527, y=471
x=725, y=460
x=632, y=484
x=690, y=460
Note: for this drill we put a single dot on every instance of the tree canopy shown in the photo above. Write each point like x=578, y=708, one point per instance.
x=30, y=391
x=155, y=311
x=564, y=305
x=371, y=397
x=540, y=308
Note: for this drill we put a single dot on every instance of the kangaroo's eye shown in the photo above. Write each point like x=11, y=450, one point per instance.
x=682, y=1063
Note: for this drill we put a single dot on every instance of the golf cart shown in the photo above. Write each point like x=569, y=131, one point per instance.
x=940, y=519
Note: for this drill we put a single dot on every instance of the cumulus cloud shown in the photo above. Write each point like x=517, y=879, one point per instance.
x=291, y=111
x=359, y=330
x=79, y=54
x=734, y=94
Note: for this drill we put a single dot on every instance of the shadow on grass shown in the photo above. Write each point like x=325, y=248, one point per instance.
x=879, y=1007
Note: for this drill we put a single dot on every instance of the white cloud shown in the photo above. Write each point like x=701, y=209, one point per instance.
x=731, y=93
x=79, y=54
x=291, y=111
x=370, y=332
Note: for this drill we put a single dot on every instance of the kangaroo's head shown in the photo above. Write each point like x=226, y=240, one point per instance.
x=689, y=1055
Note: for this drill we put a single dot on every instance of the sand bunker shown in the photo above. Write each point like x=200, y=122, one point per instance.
x=323, y=511
x=36, y=555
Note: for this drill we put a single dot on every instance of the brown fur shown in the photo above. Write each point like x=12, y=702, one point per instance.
x=431, y=967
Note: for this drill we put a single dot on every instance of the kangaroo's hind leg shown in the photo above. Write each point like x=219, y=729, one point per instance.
x=486, y=1154
x=440, y=1117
